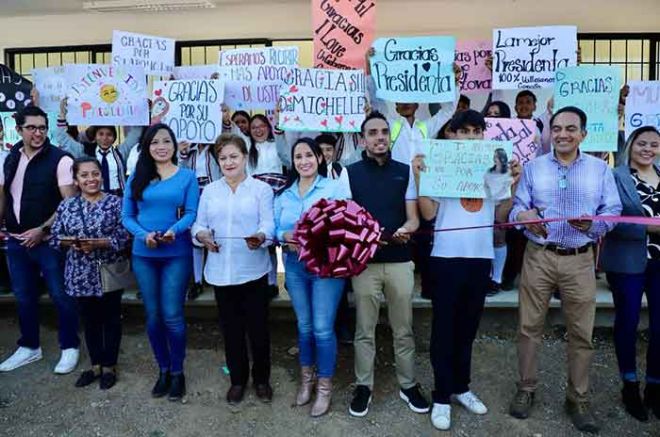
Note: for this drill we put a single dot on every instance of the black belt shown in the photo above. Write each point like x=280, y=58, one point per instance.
x=566, y=251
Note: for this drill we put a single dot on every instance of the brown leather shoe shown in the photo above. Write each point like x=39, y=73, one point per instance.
x=235, y=394
x=581, y=416
x=264, y=392
x=323, y=397
x=307, y=378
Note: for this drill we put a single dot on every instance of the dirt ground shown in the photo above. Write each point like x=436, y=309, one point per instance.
x=35, y=402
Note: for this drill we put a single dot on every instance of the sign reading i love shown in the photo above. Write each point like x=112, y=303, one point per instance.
x=323, y=100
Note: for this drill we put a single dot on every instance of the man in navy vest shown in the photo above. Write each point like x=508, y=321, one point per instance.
x=37, y=176
x=390, y=272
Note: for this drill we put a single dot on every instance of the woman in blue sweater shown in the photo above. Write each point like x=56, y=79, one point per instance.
x=160, y=205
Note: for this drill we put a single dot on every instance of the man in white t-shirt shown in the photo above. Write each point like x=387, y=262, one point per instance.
x=461, y=262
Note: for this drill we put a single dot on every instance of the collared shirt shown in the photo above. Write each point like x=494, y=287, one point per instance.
x=113, y=167
x=231, y=216
x=584, y=187
x=408, y=142
x=290, y=206
x=64, y=178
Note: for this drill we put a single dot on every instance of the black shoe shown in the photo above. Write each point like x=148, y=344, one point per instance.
x=507, y=285
x=582, y=417
x=521, y=404
x=177, y=388
x=235, y=394
x=162, y=386
x=264, y=392
x=86, y=378
x=108, y=380
x=493, y=289
x=194, y=291
x=652, y=398
x=633, y=401
x=361, y=399
x=415, y=399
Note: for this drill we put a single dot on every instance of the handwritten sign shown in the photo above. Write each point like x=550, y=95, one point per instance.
x=192, y=108
x=12, y=137
x=253, y=77
x=471, y=58
x=343, y=32
x=51, y=85
x=415, y=69
x=595, y=90
x=194, y=72
x=458, y=169
x=323, y=100
x=100, y=94
x=528, y=57
x=153, y=53
x=642, y=105
x=518, y=131
x=14, y=90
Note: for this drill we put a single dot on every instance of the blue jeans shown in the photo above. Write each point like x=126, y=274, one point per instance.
x=163, y=283
x=627, y=291
x=24, y=268
x=315, y=302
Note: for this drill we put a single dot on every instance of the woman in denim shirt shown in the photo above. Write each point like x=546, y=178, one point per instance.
x=314, y=299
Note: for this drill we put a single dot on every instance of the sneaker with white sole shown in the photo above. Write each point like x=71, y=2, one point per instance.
x=471, y=402
x=441, y=416
x=415, y=400
x=22, y=356
x=68, y=361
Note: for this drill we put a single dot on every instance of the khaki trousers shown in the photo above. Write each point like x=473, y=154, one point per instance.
x=395, y=281
x=543, y=272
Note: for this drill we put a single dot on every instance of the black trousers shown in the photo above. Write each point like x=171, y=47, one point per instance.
x=458, y=302
x=102, y=319
x=243, y=311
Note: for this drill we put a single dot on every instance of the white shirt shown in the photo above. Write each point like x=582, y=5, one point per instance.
x=470, y=243
x=200, y=162
x=236, y=215
x=113, y=168
x=132, y=159
x=269, y=159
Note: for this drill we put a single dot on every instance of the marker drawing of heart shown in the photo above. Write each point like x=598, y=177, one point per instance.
x=323, y=104
x=293, y=89
x=352, y=123
x=339, y=119
x=426, y=66
x=158, y=92
x=324, y=123
x=286, y=119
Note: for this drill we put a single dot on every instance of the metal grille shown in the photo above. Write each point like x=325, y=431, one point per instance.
x=638, y=54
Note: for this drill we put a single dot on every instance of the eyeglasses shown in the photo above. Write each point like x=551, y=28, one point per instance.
x=32, y=129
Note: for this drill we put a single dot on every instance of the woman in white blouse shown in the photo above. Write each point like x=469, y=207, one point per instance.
x=235, y=223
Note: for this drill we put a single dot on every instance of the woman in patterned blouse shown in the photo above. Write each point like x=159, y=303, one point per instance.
x=88, y=228
x=631, y=258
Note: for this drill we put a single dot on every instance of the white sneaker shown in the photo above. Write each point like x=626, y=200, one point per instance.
x=470, y=401
x=22, y=356
x=441, y=416
x=68, y=361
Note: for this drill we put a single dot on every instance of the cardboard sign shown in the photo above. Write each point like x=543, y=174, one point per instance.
x=595, y=90
x=192, y=108
x=642, y=105
x=253, y=77
x=14, y=90
x=51, y=85
x=12, y=137
x=517, y=131
x=153, y=53
x=100, y=94
x=194, y=72
x=343, y=32
x=528, y=57
x=412, y=70
x=471, y=57
x=458, y=169
x=323, y=101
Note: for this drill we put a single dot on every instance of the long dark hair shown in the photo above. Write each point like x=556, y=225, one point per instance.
x=505, y=111
x=253, y=154
x=503, y=160
x=633, y=137
x=293, y=175
x=145, y=169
